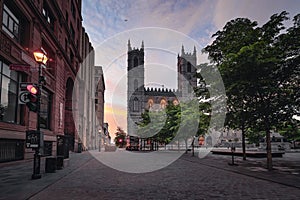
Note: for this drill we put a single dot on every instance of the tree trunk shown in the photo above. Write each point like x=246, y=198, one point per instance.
x=269, y=150
x=243, y=143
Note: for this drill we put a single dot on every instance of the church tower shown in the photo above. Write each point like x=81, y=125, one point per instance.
x=135, y=86
x=186, y=67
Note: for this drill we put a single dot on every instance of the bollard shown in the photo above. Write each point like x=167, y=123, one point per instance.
x=50, y=165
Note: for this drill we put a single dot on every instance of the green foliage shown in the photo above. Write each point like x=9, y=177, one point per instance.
x=159, y=124
x=182, y=121
x=260, y=71
x=120, y=139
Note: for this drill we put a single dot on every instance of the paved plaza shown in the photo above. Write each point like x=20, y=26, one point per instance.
x=84, y=177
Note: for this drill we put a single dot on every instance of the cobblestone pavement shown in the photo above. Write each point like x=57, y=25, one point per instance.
x=187, y=178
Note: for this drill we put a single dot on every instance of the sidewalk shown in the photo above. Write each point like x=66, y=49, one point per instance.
x=286, y=170
x=16, y=182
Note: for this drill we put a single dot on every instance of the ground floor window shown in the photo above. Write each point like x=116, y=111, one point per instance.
x=11, y=150
x=9, y=81
x=45, y=114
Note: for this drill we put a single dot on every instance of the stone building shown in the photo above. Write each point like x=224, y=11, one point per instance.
x=140, y=98
x=99, y=105
x=55, y=26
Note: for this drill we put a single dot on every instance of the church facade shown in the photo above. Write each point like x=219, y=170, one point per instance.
x=140, y=98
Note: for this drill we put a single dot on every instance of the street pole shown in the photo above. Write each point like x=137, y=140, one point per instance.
x=193, y=150
x=37, y=158
x=40, y=57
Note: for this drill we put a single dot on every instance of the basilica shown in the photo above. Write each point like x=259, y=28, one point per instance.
x=140, y=98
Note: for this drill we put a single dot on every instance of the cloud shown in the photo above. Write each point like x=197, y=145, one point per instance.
x=110, y=23
x=255, y=10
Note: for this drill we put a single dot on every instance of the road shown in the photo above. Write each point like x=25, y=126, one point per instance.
x=187, y=178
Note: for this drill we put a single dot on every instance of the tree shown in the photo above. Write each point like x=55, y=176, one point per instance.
x=120, y=139
x=259, y=74
x=159, y=124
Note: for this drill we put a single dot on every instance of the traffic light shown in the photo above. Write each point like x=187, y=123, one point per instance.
x=32, y=97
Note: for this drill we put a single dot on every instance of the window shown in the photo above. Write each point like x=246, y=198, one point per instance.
x=15, y=24
x=9, y=81
x=135, y=85
x=189, y=67
x=150, y=103
x=71, y=56
x=189, y=89
x=67, y=16
x=45, y=113
x=10, y=23
x=48, y=15
x=163, y=104
x=72, y=32
x=66, y=45
x=135, y=105
x=135, y=62
x=175, y=102
x=73, y=9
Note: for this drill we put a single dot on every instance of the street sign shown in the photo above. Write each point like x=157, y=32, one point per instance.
x=24, y=93
x=20, y=67
x=34, y=139
x=23, y=97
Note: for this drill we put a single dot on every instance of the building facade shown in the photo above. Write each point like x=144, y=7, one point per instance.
x=140, y=98
x=100, y=126
x=55, y=26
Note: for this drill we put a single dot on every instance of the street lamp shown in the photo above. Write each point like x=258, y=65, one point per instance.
x=41, y=58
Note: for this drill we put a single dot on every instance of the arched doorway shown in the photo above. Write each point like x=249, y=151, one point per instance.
x=69, y=121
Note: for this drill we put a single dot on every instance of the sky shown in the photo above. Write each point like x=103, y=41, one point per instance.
x=164, y=26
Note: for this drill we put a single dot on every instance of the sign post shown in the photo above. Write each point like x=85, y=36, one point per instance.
x=34, y=140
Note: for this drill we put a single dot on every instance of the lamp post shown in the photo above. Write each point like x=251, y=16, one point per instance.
x=40, y=57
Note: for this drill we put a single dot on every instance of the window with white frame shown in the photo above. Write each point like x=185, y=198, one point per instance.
x=45, y=112
x=10, y=23
x=9, y=81
x=135, y=104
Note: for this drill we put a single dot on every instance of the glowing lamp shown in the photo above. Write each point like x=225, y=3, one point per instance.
x=40, y=56
x=32, y=89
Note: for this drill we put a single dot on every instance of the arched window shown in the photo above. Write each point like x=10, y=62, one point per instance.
x=135, y=62
x=135, y=84
x=150, y=103
x=189, y=89
x=163, y=104
x=175, y=102
x=135, y=104
x=189, y=67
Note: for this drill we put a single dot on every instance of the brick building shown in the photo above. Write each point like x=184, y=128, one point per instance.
x=56, y=26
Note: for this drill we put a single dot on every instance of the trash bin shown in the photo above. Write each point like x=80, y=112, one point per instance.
x=50, y=166
x=59, y=162
x=79, y=147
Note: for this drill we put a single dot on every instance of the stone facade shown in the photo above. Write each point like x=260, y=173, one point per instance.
x=56, y=26
x=140, y=98
x=100, y=126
